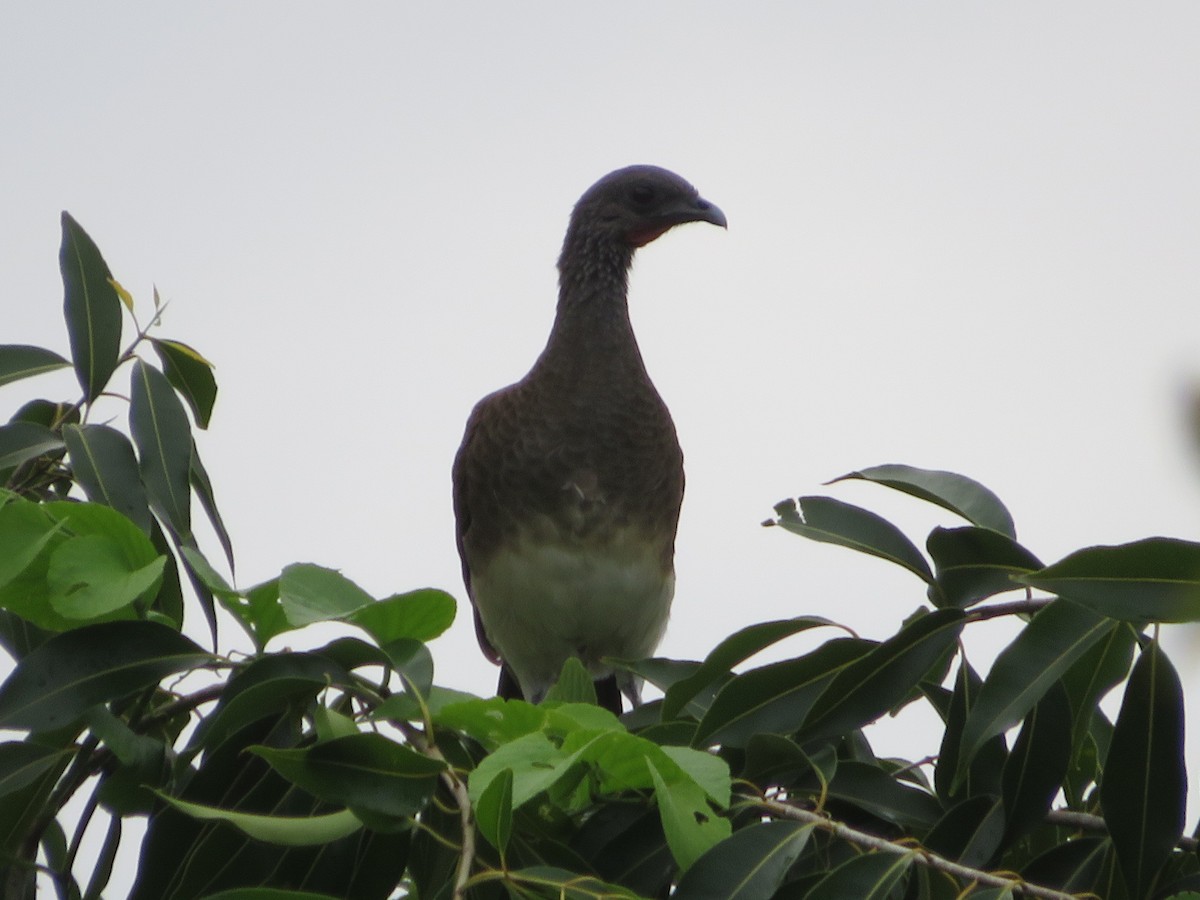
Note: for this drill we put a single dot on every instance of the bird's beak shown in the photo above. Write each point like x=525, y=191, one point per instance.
x=708, y=212
x=696, y=210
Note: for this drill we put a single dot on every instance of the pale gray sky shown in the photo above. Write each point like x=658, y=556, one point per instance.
x=962, y=236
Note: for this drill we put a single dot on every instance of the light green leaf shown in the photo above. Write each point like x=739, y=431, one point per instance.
x=289, y=831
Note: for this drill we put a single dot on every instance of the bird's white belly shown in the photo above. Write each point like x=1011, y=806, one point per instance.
x=544, y=602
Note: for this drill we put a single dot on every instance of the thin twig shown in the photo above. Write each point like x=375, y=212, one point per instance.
x=921, y=856
x=1070, y=818
x=1012, y=608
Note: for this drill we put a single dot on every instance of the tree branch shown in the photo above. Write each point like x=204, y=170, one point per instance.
x=921, y=856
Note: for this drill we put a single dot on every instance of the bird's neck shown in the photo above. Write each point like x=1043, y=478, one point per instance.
x=592, y=332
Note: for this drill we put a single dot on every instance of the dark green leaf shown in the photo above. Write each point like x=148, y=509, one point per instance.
x=1038, y=763
x=869, y=788
x=1057, y=636
x=562, y=884
x=104, y=465
x=49, y=413
x=418, y=615
x=22, y=763
x=874, y=684
x=1071, y=867
x=366, y=772
x=1153, y=580
x=775, y=698
x=202, y=485
x=1094, y=674
x=91, y=308
x=413, y=663
x=164, y=443
x=871, y=876
x=949, y=490
x=748, y=865
x=267, y=894
x=736, y=648
x=972, y=564
x=56, y=684
x=191, y=375
x=1144, y=790
x=969, y=832
x=311, y=593
x=983, y=774
x=22, y=441
x=834, y=522
x=267, y=687
x=19, y=361
x=494, y=811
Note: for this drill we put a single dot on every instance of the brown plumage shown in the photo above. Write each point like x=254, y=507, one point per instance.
x=568, y=484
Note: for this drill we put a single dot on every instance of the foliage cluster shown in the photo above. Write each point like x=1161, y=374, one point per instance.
x=345, y=771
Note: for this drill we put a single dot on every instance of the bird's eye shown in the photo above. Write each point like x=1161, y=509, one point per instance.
x=641, y=194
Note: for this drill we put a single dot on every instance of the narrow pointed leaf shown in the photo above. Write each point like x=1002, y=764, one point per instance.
x=19, y=361
x=91, y=307
x=834, y=522
x=289, y=831
x=872, y=685
x=104, y=465
x=56, y=684
x=191, y=375
x=734, y=649
x=1038, y=763
x=23, y=762
x=1153, y=580
x=202, y=484
x=365, y=772
x=775, y=698
x=1144, y=791
x=749, y=865
x=164, y=443
x=972, y=564
x=1023, y=672
x=982, y=776
x=871, y=876
x=958, y=493
x=21, y=441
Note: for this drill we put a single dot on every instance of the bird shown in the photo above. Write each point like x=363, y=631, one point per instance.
x=568, y=484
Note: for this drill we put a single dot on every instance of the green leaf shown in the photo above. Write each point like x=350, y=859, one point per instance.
x=1144, y=790
x=834, y=522
x=104, y=465
x=21, y=441
x=1152, y=580
x=491, y=722
x=22, y=763
x=268, y=686
x=871, y=876
x=972, y=564
x=970, y=832
x=868, y=787
x=1038, y=763
x=418, y=615
x=775, y=698
x=736, y=648
x=1094, y=674
x=949, y=490
x=191, y=375
x=875, y=683
x=1057, y=636
x=91, y=307
x=311, y=593
x=494, y=812
x=365, y=772
x=202, y=485
x=562, y=884
x=982, y=776
x=90, y=577
x=574, y=684
x=749, y=865
x=289, y=831
x=19, y=361
x=55, y=685
x=691, y=826
x=164, y=442
x=24, y=530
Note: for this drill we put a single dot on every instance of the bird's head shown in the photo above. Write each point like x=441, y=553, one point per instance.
x=637, y=204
